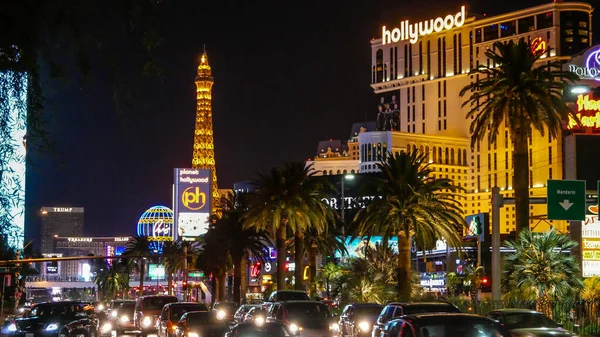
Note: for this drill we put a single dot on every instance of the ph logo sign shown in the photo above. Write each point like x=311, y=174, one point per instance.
x=193, y=199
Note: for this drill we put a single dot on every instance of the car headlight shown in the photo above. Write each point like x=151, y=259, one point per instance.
x=259, y=320
x=220, y=314
x=113, y=313
x=334, y=327
x=294, y=328
x=124, y=319
x=52, y=327
x=100, y=307
x=364, y=326
x=12, y=327
x=193, y=334
x=147, y=321
x=106, y=327
x=21, y=310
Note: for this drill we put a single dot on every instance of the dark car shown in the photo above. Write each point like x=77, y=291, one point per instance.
x=225, y=310
x=115, y=304
x=262, y=330
x=306, y=318
x=123, y=318
x=358, y=319
x=288, y=295
x=523, y=322
x=444, y=324
x=56, y=319
x=200, y=324
x=257, y=315
x=147, y=309
x=398, y=309
x=241, y=312
x=172, y=313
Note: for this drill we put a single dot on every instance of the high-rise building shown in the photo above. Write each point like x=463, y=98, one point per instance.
x=418, y=71
x=60, y=221
x=204, y=144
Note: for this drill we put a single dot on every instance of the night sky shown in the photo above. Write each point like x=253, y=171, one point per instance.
x=287, y=75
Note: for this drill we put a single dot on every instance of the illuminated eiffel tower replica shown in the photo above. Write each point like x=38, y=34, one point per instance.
x=204, y=144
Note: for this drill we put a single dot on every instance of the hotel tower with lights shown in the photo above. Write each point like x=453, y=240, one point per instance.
x=204, y=144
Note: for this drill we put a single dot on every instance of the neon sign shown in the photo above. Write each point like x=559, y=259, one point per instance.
x=591, y=70
x=538, y=46
x=585, y=104
x=412, y=32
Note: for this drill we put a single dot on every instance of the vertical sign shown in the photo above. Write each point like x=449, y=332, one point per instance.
x=193, y=188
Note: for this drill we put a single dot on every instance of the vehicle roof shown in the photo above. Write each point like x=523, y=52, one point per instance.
x=516, y=310
x=152, y=296
x=174, y=304
x=419, y=303
x=442, y=315
x=289, y=291
x=300, y=301
x=366, y=305
x=63, y=302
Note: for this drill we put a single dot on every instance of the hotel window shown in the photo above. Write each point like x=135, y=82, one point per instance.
x=550, y=173
x=506, y=180
x=420, y=57
x=477, y=35
x=550, y=155
x=478, y=184
x=439, y=109
x=478, y=163
x=413, y=115
x=544, y=20
x=459, y=54
x=508, y=28
x=455, y=53
x=530, y=179
x=373, y=75
x=439, y=89
x=495, y=179
x=490, y=32
x=444, y=89
x=428, y=58
x=495, y=162
x=410, y=59
x=471, y=56
x=445, y=106
x=574, y=34
x=526, y=25
x=445, y=126
x=465, y=158
x=396, y=62
x=379, y=65
x=444, y=55
x=506, y=160
x=392, y=64
x=385, y=72
x=439, y=57
x=405, y=61
x=506, y=139
x=439, y=125
x=423, y=128
x=489, y=161
x=530, y=158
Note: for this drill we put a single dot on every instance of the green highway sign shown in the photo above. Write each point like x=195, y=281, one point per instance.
x=566, y=200
x=196, y=274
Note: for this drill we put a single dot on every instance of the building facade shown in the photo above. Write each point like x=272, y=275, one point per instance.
x=418, y=71
x=60, y=221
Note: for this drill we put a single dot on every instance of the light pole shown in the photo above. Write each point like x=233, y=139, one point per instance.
x=344, y=177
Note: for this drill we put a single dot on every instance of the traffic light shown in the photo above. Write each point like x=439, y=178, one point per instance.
x=184, y=285
x=485, y=283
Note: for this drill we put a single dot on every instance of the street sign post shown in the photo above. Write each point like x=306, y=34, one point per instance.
x=566, y=200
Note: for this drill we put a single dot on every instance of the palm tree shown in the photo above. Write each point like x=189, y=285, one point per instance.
x=411, y=204
x=540, y=263
x=522, y=95
x=326, y=244
x=139, y=246
x=214, y=258
x=240, y=242
x=289, y=197
x=110, y=281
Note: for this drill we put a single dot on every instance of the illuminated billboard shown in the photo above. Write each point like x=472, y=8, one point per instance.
x=590, y=243
x=193, y=190
x=12, y=179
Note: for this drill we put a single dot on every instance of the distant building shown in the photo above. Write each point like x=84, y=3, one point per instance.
x=243, y=186
x=60, y=221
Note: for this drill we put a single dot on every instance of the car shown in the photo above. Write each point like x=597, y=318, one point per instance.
x=171, y=313
x=123, y=320
x=257, y=314
x=147, y=309
x=288, y=295
x=357, y=319
x=241, y=312
x=259, y=330
x=56, y=319
x=115, y=304
x=444, y=324
x=306, y=318
x=225, y=310
x=524, y=322
x=397, y=309
x=200, y=324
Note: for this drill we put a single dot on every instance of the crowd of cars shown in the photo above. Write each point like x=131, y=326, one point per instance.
x=284, y=314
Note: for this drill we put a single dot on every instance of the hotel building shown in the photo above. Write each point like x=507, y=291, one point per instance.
x=418, y=70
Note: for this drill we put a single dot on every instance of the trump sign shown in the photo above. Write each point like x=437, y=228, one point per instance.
x=192, y=201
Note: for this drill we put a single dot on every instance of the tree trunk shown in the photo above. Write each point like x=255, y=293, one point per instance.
x=404, y=269
x=281, y=253
x=142, y=268
x=170, y=283
x=222, y=280
x=521, y=182
x=244, y=277
x=312, y=269
x=236, y=258
x=299, y=260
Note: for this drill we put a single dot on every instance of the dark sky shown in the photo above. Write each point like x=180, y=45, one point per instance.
x=287, y=75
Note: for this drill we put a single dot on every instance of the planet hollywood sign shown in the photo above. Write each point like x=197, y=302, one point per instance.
x=412, y=31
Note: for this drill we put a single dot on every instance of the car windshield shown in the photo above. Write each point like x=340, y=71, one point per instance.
x=54, y=309
x=245, y=308
x=528, y=320
x=307, y=310
x=257, y=311
x=292, y=296
x=423, y=308
x=229, y=306
x=459, y=327
x=115, y=304
x=178, y=310
x=126, y=308
x=202, y=318
x=157, y=303
x=267, y=330
x=371, y=310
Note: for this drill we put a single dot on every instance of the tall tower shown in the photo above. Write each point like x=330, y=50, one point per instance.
x=204, y=144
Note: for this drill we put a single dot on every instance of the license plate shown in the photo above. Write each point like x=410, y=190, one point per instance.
x=28, y=335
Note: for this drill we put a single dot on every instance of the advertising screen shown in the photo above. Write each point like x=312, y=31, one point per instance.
x=156, y=271
x=192, y=201
x=590, y=245
x=357, y=247
x=50, y=269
